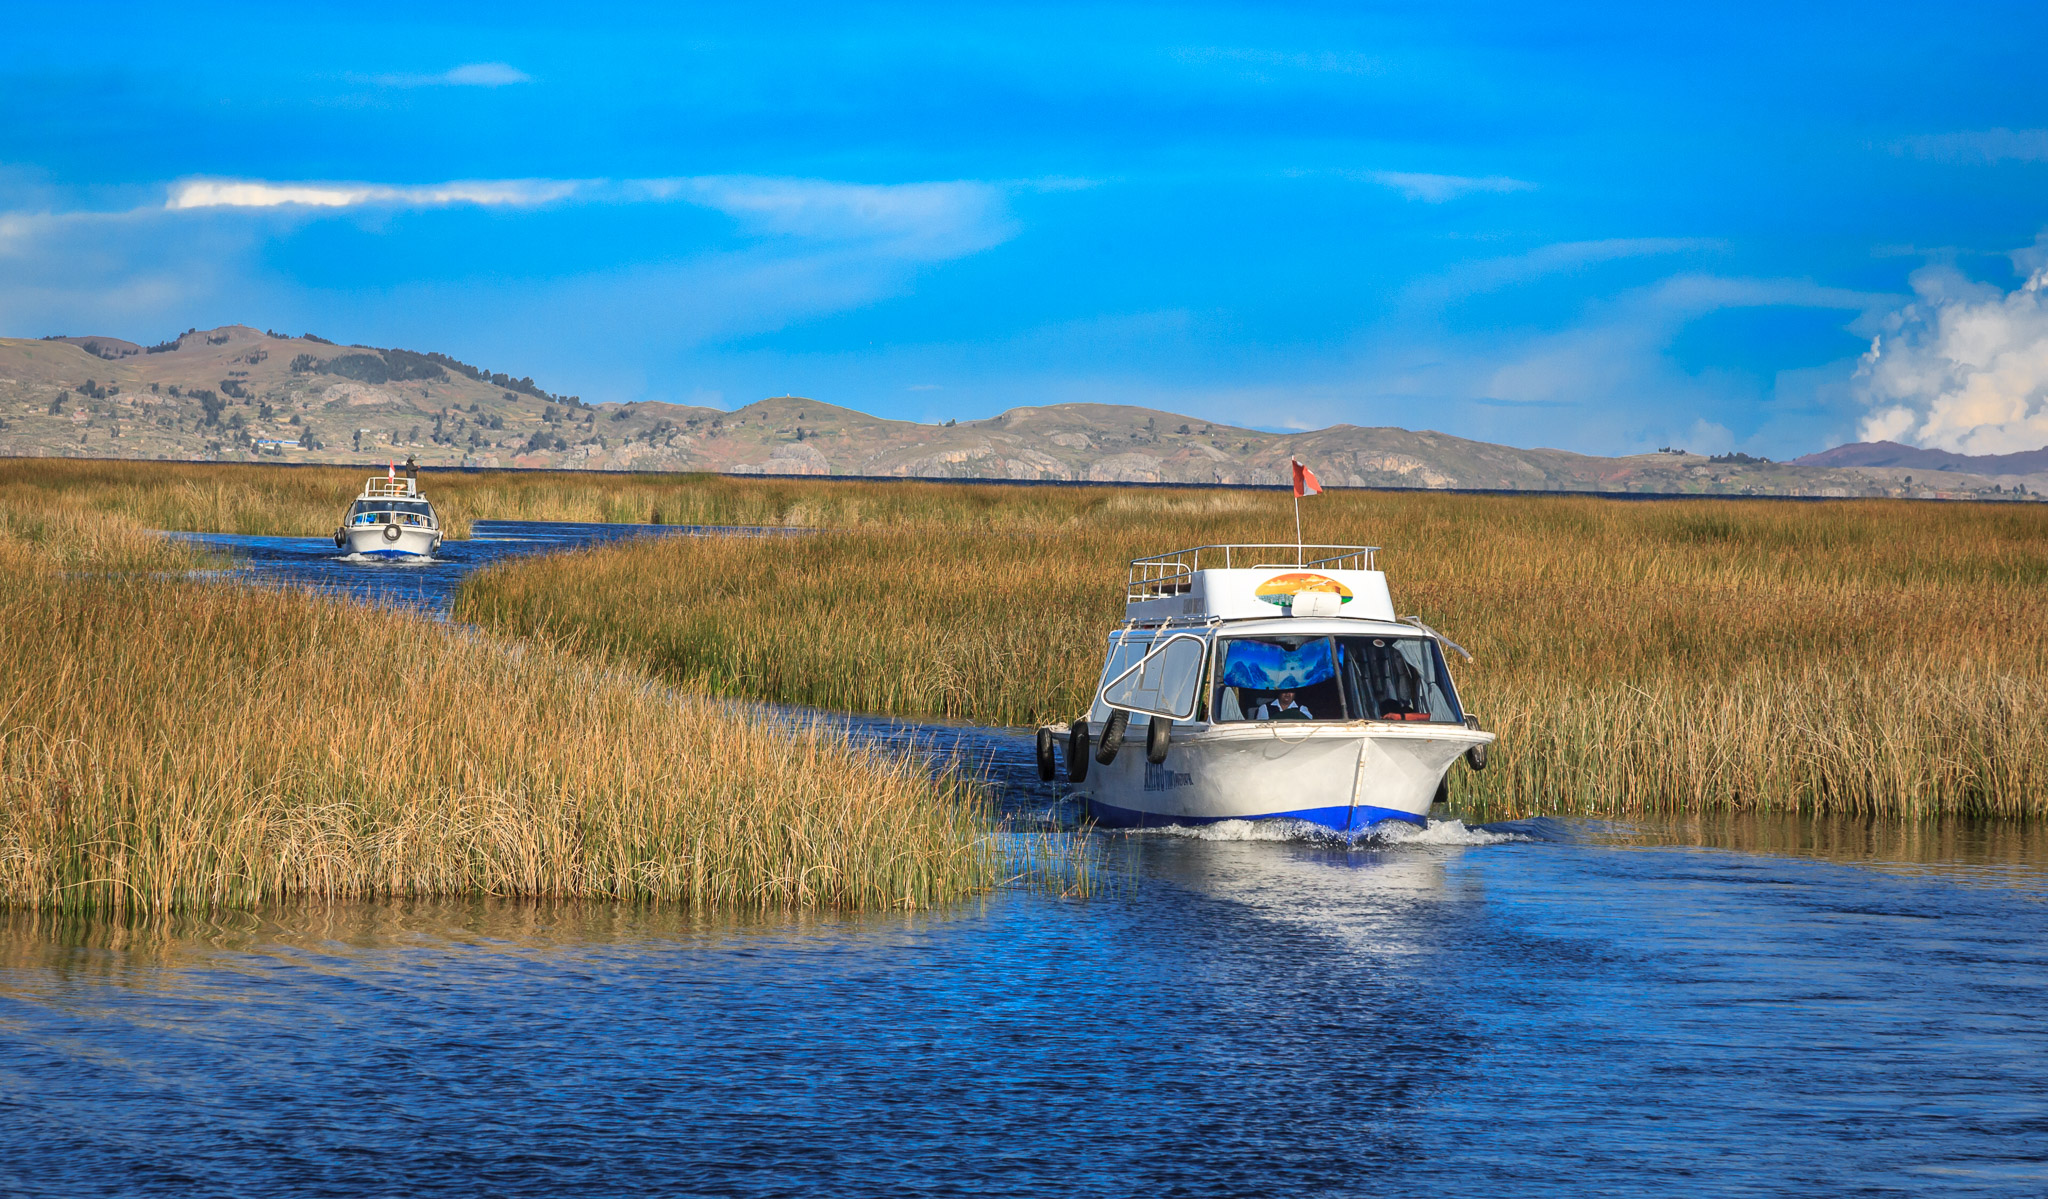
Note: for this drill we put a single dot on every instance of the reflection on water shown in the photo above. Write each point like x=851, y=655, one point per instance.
x=1555, y=1007
x=1992, y=852
x=1558, y=1014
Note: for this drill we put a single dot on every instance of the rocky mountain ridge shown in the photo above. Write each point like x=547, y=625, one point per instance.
x=241, y=394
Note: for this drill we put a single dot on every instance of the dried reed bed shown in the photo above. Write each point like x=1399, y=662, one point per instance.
x=255, y=499
x=1866, y=657
x=173, y=745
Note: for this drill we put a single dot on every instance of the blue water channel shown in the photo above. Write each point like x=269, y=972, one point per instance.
x=1568, y=1008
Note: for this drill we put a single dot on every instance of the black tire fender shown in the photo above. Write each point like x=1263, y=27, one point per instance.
x=340, y=537
x=1112, y=736
x=1048, y=768
x=1443, y=790
x=1077, y=751
x=1476, y=756
x=391, y=532
x=1158, y=735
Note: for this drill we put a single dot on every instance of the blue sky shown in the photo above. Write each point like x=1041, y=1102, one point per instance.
x=1601, y=228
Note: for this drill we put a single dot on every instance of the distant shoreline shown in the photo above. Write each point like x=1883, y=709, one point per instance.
x=2007, y=498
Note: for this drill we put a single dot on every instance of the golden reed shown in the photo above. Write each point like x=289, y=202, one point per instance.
x=167, y=744
x=1871, y=657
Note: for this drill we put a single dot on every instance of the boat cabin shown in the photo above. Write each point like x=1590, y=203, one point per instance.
x=392, y=501
x=1227, y=634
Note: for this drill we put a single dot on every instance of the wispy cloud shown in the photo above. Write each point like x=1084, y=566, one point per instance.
x=1978, y=146
x=924, y=220
x=1491, y=274
x=1438, y=189
x=257, y=193
x=1260, y=62
x=469, y=74
x=939, y=219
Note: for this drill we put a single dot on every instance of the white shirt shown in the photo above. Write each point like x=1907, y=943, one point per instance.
x=1271, y=710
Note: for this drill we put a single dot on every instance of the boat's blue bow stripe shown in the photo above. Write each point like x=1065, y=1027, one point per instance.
x=1344, y=818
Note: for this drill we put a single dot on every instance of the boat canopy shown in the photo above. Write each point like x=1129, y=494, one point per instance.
x=1253, y=582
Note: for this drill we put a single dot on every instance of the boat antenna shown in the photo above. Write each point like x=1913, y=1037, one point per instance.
x=1305, y=483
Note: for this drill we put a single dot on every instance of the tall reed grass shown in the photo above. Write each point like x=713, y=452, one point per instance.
x=167, y=744
x=255, y=499
x=1867, y=657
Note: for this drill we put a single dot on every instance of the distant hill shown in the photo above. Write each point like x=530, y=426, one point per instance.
x=1891, y=453
x=242, y=394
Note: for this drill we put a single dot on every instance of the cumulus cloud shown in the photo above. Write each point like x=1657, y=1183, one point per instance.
x=1964, y=367
x=1438, y=189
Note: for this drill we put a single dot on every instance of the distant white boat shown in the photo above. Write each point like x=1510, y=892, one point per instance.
x=390, y=519
x=1254, y=689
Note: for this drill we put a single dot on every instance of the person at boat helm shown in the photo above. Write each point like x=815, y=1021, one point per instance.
x=1282, y=707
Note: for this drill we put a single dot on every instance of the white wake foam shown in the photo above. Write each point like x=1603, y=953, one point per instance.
x=1388, y=832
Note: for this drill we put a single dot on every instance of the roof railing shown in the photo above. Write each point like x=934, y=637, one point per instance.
x=1169, y=574
x=389, y=487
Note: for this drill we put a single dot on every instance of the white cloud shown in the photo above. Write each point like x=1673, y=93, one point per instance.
x=926, y=220
x=1979, y=146
x=1964, y=367
x=1438, y=189
x=1490, y=274
x=256, y=193
x=469, y=74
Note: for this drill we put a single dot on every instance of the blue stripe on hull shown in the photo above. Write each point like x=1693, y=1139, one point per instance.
x=1344, y=818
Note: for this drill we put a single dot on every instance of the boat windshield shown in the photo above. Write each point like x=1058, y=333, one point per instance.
x=1333, y=678
x=407, y=512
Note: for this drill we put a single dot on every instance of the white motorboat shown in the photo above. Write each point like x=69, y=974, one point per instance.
x=1251, y=688
x=390, y=519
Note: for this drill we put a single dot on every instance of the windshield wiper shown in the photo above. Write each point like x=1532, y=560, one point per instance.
x=1441, y=639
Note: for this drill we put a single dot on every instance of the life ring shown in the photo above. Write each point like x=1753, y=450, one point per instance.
x=1157, y=734
x=1077, y=751
x=1047, y=765
x=391, y=532
x=1112, y=736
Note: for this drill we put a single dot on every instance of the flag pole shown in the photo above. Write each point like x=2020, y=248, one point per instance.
x=1294, y=485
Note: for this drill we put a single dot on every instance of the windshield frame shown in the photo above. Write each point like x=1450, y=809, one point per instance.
x=1216, y=702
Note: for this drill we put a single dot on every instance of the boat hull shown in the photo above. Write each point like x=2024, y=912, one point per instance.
x=1344, y=777
x=369, y=541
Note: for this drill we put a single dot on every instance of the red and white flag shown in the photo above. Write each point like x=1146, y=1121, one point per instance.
x=1305, y=481
x=393, y=474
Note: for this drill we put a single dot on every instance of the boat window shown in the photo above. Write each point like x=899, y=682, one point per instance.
x=1278, y=678
x=1396, y=678
x=381, y=509
x=1162, y=681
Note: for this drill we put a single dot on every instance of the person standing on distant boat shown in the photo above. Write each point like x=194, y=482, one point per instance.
x=1282, y=708
x=412, y=468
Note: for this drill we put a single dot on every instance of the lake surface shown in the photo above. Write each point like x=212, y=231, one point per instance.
x=1570, y=1008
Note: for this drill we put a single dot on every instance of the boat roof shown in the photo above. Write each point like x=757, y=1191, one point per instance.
x=384, y=487
x=1243, y=582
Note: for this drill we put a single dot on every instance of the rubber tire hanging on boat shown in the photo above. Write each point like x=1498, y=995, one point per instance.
x=340, y=538
x=1443, y=791
x=1157, y=734
x=1077, y=751
x=391, y=532
x=1112, y=736
x=1476, y=756
x=1047, y=766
